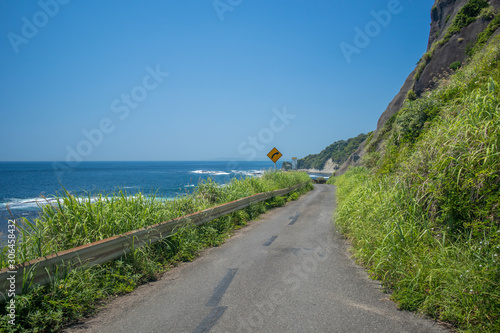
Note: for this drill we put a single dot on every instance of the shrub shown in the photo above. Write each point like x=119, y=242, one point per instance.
x=412, y=118
x=483, y=37
x=465, y=16
x=276, y=202
x=468, y=14
x=370, y=160
x=411, y=95
x=319, y=180
x=455, y=65
x=293, y=196
x=487, y=13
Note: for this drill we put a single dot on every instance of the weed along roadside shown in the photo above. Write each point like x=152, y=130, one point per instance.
x=75, y=222
x=422, y=213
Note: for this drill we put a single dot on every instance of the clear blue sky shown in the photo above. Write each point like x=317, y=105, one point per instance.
x=87, y=80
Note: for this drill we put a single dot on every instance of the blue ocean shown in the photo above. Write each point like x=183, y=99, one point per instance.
x=25, y=186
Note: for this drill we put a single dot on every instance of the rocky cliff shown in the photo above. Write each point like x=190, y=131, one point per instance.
x=455, y=27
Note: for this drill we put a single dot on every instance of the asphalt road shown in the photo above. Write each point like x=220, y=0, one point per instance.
x=289, y=271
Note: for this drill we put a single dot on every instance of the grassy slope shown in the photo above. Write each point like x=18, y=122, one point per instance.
x=424, y=215
x=75, y=222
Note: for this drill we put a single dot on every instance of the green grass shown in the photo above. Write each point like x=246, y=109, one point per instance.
x=486, y=34
x=424, y=215
x=455, y=65
x=75, y=222
x=428, y=267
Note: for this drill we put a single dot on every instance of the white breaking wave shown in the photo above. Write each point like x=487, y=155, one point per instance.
x=210, y=172
x=28, y=203
x=313, y=176
x=254, y=173
x=32, y=203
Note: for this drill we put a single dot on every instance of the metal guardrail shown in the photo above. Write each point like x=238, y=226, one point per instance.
x=43, y=270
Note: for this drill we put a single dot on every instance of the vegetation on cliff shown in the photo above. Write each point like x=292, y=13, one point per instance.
x=338, y=151
x=424, y=212
x=469, y=13
x=465, y=16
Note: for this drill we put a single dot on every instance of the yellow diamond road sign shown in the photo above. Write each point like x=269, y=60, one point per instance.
x=274, y=155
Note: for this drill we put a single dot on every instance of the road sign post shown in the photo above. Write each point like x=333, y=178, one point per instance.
x=274, y=155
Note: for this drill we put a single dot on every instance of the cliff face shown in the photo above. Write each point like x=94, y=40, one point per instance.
x=453, y=50
x=442, y=15
x=443, y=49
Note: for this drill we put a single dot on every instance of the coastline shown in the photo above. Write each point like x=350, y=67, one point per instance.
x=26, y=186
x=328, y=169
x=323, y=172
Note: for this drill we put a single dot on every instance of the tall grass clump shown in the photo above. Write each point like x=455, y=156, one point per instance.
x=74, y=221
x=428, y=268
x=486, y=34
x=425, y=218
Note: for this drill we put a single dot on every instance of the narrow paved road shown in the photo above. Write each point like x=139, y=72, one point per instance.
x=287, y=272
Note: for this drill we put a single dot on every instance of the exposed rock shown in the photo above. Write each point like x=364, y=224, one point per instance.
x=396, y=104
x=453, y=50
x=442, y=15
x=354, y=160
x=329, y=168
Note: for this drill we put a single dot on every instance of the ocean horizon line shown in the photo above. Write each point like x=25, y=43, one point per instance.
x=127, y=161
